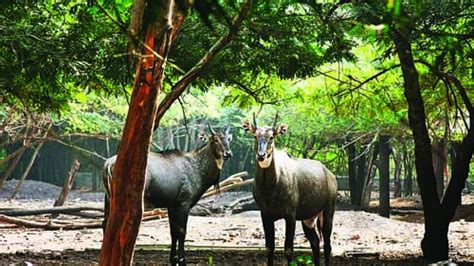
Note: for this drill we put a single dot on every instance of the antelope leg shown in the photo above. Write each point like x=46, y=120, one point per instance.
x=289, y=238
x=269, y=229
x=312, y=236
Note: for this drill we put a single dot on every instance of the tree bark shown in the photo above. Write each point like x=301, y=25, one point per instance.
x=161, y=25
x=126, y=188
x=351, y=155
x=439, y=163
x=408, y=167
x=397, y=190
x=460, y=169
x=435, y=242
x=361, y=174
x=169, y=133
x=67, y=185
x=384, y=176
x=368, y=179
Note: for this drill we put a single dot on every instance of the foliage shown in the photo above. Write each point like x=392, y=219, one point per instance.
x=327, y=68
x=95, y=115
x=48, y=45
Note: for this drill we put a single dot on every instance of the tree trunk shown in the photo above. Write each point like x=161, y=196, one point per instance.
x=351, y=154
x=178, y=139
x=384, y=176
x=162, y=23
x=408, y=184
x=361, y=174
x=439, y=163
x=126, y=188
x=192, y=138
x=67, y=185
x=435, y=241
x=243, y=162
x=461, y=164
x=187, y=137
x=169, y=133
x=11, y=167
x=397, y=190
x=27, y=169
x=368, y=179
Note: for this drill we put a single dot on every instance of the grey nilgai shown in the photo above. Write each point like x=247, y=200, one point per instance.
x=291, y=189
x=176, y=181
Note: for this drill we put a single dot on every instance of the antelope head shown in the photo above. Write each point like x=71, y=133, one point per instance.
x=264, y=139
x=220, y=144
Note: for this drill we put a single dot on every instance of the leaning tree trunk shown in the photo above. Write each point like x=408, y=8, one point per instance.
x=384, y=176
x=435, y=241
x=11, y=168
x=126, y=188
x=27, y=170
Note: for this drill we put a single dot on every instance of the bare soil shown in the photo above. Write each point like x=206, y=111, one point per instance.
x=358, y=237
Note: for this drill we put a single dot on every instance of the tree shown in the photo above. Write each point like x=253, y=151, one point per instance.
x=418, y=29
x=50, y=52
x=158, y=23
x=384, y=176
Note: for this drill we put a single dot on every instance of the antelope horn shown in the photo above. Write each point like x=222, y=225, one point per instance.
x=275, y=121
x=213, y=132
x=227, y=130
x=254, y=121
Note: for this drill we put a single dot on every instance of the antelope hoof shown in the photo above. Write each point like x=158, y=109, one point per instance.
x=182, y=261
x=289, y=255
x=174, y=260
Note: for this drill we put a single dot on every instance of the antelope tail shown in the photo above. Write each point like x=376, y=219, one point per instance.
x=107, y=174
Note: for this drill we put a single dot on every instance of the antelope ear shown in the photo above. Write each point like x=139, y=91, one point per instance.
x=281, y=129
x=248, y=126
x=202, y=136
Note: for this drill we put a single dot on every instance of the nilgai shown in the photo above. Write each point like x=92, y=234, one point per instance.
x=291, y=189
x=176, y=181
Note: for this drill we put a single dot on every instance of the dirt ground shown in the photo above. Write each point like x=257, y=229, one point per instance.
x=358, y=237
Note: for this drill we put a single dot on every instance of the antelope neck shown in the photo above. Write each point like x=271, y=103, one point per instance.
x=267, y=176
x=209, y=166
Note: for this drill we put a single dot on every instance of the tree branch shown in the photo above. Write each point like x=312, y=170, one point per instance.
x=368, y=80
x=194, y=72
x=461, y=36
x=451, y=78
x=255, y=96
